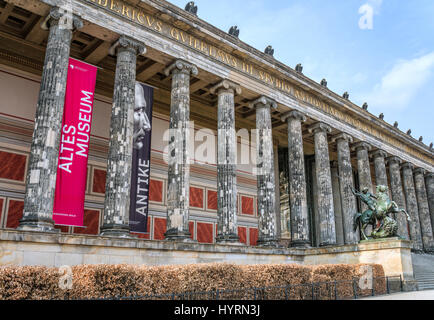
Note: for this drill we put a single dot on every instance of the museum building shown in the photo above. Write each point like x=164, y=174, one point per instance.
x=314, y=144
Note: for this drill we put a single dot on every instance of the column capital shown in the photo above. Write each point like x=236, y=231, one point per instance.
x=71, y=21
x=407, y=165
x=342, y=136
x=263, y=101
x=378, y=154
x=125, y=42
x=429, y=175
x=293, y=114
x=319, y=127
x=226, y=85
x=182, y=67
x=419, y=171
x=361, y=145
x=393, y=159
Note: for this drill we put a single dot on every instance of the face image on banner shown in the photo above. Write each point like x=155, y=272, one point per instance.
x=71, y=176
x=141, y=158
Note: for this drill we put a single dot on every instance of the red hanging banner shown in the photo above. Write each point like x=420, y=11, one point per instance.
x=74, y=144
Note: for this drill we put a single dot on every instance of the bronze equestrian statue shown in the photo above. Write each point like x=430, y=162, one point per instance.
x=378, y=213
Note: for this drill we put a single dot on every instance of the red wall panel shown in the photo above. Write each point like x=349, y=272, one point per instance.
x=15, y=213
x=99, y=177
x=242, y=234
x=12, y=166
x=91, y=223
x=212, y=200
x=159, y=228
x=204, y=232
x=253, y=237
x=155, y=190
x=196, y=197
x=247, y=205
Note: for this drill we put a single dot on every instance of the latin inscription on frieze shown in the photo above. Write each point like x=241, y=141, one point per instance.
x=140, y=17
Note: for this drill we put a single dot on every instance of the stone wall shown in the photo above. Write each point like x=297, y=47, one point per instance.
x=54, y=250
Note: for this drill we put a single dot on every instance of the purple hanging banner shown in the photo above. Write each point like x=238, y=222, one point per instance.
x=141, y=161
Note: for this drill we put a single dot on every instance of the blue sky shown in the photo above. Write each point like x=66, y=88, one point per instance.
x=391, y=66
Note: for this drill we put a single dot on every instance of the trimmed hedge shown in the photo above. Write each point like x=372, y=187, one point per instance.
x=102, y=281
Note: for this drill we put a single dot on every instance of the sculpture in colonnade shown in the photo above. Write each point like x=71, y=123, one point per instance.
x=378, y=213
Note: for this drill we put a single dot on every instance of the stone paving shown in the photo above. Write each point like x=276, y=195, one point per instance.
x=413, y=295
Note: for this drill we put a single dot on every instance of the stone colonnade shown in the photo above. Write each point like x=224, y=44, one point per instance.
x=411, y=188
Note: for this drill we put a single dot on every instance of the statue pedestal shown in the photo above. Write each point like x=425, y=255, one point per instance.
x=394, y=254
x=380, y=240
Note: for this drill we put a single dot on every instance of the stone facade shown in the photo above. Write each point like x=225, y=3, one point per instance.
x=250, y=90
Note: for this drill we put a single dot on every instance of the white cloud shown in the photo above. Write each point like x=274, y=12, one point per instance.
x=400, y=85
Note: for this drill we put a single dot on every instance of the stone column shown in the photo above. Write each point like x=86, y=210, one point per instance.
x=363, y=168
x=178, y=189
x=348, y=200
x=300, y=233
x=265, y=172
x=323, y=182
x=118, y=182
x=429, y=183
x=44, y=151
x=277, y=188
x=227, y=230
x=380, y=167
x=337, y=203
x=424, y=216
x=398, y=194
x=412, y=208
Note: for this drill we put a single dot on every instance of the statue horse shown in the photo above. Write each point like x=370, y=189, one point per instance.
x=364, y=219
x=378, y=214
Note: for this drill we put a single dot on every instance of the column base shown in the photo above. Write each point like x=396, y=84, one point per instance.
x=327, y=243
x=429, y=251
x=37, y=224
x=268, y=243
x=300, y=244
x=115, y=230
x=228, y=239
x=176, y=235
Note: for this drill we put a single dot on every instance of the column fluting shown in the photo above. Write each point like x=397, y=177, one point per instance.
x=227, y=228
x=327, y=232
x=44, y=150
x=178, y=185
x=265, y=171
x=300, y=233
x=412, y=207
x=119, y=161
x=348, y=200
